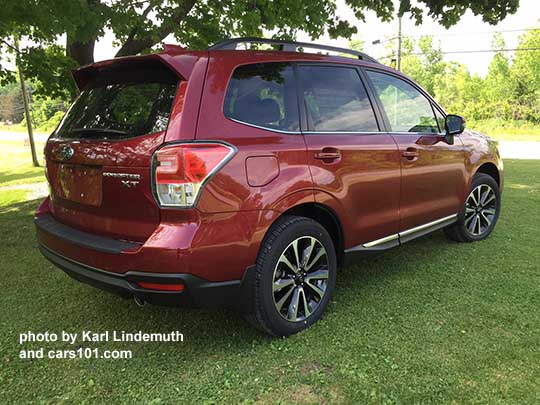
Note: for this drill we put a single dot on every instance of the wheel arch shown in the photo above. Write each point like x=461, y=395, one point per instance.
x=325, y=216
x=491, y=170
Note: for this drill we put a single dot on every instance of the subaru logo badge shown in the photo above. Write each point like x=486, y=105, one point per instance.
x=66, y=152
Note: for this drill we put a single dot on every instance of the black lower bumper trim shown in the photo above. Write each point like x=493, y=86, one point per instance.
x=197, y=291
x=48, y=224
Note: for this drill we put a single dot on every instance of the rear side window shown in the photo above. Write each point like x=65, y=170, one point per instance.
x=407, y=109
x=336, y=100
x=263, y=95
x=119, y=105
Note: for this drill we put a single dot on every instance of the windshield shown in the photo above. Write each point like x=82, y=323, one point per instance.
x=114, y=107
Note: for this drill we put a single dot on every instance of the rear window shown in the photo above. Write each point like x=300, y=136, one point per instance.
x=121, y=104
x=263, y=95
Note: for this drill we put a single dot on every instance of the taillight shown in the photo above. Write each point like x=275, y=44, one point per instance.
x=181, y=170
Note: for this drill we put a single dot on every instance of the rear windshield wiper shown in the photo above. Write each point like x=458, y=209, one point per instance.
x=97, y=130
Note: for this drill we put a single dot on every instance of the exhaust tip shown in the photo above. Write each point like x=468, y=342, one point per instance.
x=139, y=301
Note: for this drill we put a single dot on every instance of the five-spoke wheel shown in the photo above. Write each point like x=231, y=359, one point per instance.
x=300, y=278
x=295, y=276
x=480, y=212
x=480, y=209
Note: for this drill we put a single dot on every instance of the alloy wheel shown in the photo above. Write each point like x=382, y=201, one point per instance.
x=300, y=278
x=480, y=210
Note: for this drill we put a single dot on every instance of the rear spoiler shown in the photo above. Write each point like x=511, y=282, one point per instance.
x=179, y=61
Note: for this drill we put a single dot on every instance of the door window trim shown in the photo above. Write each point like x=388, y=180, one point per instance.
x=378, y=110
x=441, y=130
x=281, y=131
x=304, y=125
x=385, y=119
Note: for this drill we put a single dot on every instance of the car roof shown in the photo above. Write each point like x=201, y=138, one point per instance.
x=182, y=60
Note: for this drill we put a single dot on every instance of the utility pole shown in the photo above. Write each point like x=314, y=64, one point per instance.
x=26, y=102
x=399, y=45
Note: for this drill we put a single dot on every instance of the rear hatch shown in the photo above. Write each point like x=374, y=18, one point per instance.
x=99, y=158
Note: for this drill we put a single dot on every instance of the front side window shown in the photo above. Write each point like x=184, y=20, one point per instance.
x=121, y=105
x=336, y=100
x=263, y=95
x=440, y=120
x=407, y=109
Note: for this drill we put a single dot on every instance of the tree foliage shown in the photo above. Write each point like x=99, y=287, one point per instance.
x=11, y=108
x=61, y=34
x=46, y=112
x=509, y=92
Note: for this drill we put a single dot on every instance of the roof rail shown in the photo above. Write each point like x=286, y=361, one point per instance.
x=289, y=46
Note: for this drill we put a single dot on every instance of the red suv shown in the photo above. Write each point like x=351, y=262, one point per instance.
x=244, y=178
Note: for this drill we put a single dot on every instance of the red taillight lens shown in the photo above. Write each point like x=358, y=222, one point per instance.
x=181, y=170
x=161, y=287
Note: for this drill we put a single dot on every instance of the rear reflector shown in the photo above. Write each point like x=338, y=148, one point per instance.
x=161, y=287
x=182, y=169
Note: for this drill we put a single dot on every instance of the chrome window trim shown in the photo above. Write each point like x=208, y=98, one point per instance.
x=344, y=132
x=305, y=132
x=415, y=133
x=265, y=128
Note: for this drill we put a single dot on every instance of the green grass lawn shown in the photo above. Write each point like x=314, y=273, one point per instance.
x=430, y=322
x=16, y=164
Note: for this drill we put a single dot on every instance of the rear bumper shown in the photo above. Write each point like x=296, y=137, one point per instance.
x=197, y=291
x=46, y=223
x=214, y=247
x=118, y=266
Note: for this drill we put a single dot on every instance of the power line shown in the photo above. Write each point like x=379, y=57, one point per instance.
x=393, y=56
x=483, y=51
x=460, y=34
x=455, y=34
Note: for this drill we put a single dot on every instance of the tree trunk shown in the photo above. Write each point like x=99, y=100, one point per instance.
x=134, y=46
x=139, y=41
x=83, y=54
x=26, y=102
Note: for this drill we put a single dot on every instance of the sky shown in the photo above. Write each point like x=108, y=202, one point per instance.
x=471, y=33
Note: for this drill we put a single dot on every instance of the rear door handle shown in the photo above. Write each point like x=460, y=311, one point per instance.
x=328, y=154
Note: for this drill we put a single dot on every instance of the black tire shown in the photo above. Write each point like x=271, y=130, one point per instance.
x=461, y=230
x=279, y=241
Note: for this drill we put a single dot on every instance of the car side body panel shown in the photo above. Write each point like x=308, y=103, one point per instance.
x=481, y=150
x=364, y=183
x=433, y=184
x=271, y=173
x=229, y=190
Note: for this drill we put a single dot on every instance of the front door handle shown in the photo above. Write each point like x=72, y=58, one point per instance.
x=410, y=154
x=328, y=155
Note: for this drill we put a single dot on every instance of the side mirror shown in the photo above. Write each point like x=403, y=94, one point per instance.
x=454, y=125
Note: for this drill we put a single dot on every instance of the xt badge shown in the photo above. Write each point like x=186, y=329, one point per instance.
x=128, y=180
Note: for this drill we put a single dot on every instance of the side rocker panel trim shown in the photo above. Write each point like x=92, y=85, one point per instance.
x=405, y=236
